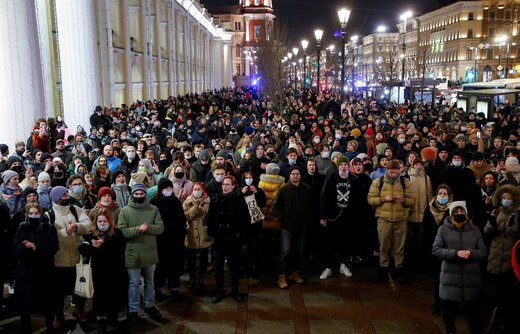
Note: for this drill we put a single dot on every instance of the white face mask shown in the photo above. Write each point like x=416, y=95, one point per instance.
x=197, y=193
x=338, y=136
x=167, y=193
x=249, y=181
x=219, y=178
x=106, y=202
x=456, y=163
x=316, y=140
x=130, y=155
x=325, y=155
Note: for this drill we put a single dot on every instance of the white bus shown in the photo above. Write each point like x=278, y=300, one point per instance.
x=493, y=84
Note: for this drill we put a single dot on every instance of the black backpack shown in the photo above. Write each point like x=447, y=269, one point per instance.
x=52, y=215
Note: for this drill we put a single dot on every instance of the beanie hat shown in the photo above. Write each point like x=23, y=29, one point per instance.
x=428, y=154
x=46, y=156
x=12, y=159
x=362, y=156
x=356, y=132
x=477, y=156
x=369, y=132
x=57, y=192
x=380, y=157
x=8, y=174
x=341, y=159
x=3, y=149
x=511, y=164
x=116, y=174
x=105, y=191
x=249, y=130
x=138, y=186
x=272, y=168
x=294, y=168
x=457, y=204
x=204, y=154
x=43, y=176
x=222, y=154
x=27, y=191
x=163, y=183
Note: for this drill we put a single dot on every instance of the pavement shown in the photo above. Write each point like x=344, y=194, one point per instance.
x=337, y=305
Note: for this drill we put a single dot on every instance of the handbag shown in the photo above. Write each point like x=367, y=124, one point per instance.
x=84, y=286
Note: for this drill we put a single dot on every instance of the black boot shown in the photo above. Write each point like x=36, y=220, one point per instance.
x=382, y=275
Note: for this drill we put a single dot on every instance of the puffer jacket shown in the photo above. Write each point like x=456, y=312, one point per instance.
x=141, y=248
x=68, y=255
x=196, y=217
x=270, y=184
x=460, y=279
x=422, y=188
x=392, y=212
x=503, y=228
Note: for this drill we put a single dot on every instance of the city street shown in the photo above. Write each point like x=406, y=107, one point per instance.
x=338, y=305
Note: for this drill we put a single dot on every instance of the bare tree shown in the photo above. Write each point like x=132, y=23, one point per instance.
x=390, y=65
x=270, y=53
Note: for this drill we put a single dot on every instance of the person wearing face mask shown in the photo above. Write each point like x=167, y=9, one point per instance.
x=323, y=161
x=104, y=245
x=59, y=174
x=141, y=223
x=459, y=245
x=253, y=256
x=182, y=187
x=11, y=191
x=461, y=180
x=200, y=169
x=214, y=186
x=170, y=244
x=71, y=222
x=35, y=244
x=120, y=189
x=434, y=216
x=105, y=202
x=130, y=161
x=79, y=195
x=504, y=229
x=198, y=241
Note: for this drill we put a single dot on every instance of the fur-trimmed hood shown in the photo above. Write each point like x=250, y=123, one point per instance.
x=510, y=189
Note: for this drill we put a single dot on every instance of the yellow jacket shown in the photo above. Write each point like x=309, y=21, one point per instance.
x=391, y=211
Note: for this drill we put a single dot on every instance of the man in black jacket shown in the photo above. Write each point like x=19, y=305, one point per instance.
x=228, y=218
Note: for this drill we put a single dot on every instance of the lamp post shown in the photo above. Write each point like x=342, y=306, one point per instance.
x=300, y=61
x=289, y=56
x=305, y=44
x=295, y=53
x=501, y=39
x=354, y=64
x=343, y=15
x=318, y=34
x=404, y=17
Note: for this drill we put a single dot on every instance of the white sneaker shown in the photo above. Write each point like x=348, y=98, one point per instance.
x=10, y=288
x=326, y=274
x=344, y=270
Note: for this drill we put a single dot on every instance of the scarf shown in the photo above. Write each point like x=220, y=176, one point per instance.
x=110, y=207
x=438, y=211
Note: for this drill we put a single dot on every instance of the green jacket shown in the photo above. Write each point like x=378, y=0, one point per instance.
x=141, y=248
x=294, y=206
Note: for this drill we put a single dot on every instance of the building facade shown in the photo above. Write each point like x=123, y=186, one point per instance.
x=65, y=57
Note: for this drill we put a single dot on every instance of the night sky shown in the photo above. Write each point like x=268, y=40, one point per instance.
x=301, y=17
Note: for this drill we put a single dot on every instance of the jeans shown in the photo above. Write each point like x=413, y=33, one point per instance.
x=134, y=275
x=292, y=245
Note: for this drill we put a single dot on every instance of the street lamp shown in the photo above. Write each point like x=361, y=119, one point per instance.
x=354, y=39
x=343, y=15
x=295, y=53
x=289, y=56
x=405, y=16
x=305, y=44
x=303, y=76
x=318, y=34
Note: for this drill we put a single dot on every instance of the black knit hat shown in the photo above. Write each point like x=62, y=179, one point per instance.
x=27, y=191
x=163, y=184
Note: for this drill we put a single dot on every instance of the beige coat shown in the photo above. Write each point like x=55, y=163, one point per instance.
x=196, y=212
x=422, y=188
x=68, y=254
x=390, y=211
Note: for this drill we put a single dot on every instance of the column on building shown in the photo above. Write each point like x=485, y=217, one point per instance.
x=146, y=59
x=79, y=61
x=106, y=53
x=124, y=18
x=227, y=74
x=218, y=70
x=21, y=81
x=170, y=40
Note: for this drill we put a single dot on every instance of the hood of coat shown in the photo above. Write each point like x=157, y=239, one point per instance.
x=510, y=189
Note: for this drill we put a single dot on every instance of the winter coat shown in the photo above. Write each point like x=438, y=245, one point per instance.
x=6, y=241
x=503, y=228
x=293, y=206
x=460, y=279
x=196, y=211
x=429, y=228
x=68, y=254
x=109, y=274
x=44, y=197
x=141, y=248
x=174, y=222
x=479, y=172
x=390, y=211
x=422, y=188
x=33, y=287
x=270, y=184
x=228, y=217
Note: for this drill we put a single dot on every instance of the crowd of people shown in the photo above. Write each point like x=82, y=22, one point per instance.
x=194, y=183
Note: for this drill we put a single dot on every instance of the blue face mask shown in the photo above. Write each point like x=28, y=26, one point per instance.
x=292, y=162
x=442, y=200
x=103, y=228
x=249, y=182
x=507, y=203
x=77, y=189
